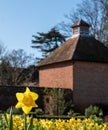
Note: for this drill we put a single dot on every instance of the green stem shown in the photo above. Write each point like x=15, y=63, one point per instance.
x=25, y=122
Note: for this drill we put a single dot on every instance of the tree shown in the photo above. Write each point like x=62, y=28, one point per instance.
x=95, y=13
x=5, y=73
x=104, y=5
x=3, y=52
x=4, y=66
x=12, y=66
x=47, y=42
x=19, y=58
x=29, y=76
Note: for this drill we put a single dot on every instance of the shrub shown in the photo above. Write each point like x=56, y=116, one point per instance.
x=38, y=111
x=54, y=101
x=93, y=111
x=71, y=112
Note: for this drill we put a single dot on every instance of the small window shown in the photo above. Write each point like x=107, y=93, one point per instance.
x=76, y=30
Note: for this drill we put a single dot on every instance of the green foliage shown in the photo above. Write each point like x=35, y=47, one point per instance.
x=96, y=119
x=54, y=101
x=14, y=110
x=38, y=111
x=2, y=123
x=47, y=42
x=72, y=113
x=93, y=111
x=30, y=126
x=10, y=122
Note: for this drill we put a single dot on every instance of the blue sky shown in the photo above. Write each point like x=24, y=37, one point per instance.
x=20, y=19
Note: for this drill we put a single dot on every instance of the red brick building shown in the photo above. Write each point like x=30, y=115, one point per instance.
x=80, y=64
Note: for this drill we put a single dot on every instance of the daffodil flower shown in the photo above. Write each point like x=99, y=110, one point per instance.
x=26, y=100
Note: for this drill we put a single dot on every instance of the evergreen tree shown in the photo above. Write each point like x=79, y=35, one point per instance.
x=47, y=42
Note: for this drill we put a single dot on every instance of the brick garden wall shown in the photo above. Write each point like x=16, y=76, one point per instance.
x=8, y=98
x=57, y=75
x=90, y=84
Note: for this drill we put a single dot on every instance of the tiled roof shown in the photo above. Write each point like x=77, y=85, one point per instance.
x=62, y=53
x=90, y=49
x=78, y=48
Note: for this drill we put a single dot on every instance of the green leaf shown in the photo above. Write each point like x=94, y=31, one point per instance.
x=30, y=126
x=25, y=122
x=7, y=123
x=11, y=120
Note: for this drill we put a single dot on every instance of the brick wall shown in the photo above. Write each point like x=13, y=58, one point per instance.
x=57, y=75
x=8, y=96
x=90, y=84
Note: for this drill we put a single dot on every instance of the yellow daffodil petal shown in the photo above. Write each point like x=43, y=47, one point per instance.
x=19, y=105
x=27, y=90
x=34, y=104
x=26, y=109
x=34, y=95
x=19, y=96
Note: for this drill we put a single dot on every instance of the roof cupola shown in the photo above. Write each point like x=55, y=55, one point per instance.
x=80, y=28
